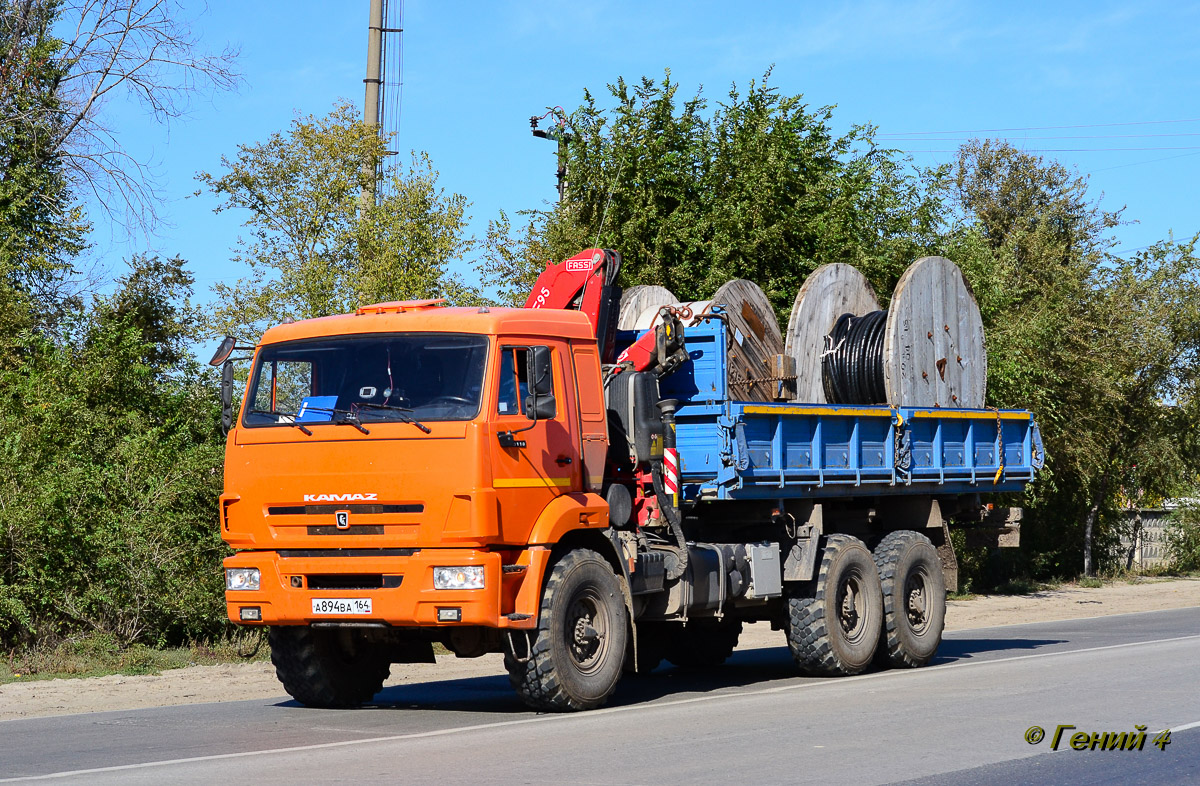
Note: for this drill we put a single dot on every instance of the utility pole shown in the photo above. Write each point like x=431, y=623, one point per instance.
x=556, y=133
x=373, y=80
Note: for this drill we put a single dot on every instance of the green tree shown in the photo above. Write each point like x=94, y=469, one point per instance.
x=1101, y=348
x=110, y=470
x=313, y=250
x=1182, y=538
x=154, y=298
x=41, y=229
x=61, y=63
x=759, y=188
x=110, y=452
x=144, y=51
x=1147, y=326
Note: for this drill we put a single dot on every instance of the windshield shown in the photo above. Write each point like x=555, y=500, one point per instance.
x=374, y=378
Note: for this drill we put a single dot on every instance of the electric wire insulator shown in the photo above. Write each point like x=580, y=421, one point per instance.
x=852, y=363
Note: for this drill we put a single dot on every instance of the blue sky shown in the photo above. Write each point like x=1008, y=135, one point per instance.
x=1110, y=88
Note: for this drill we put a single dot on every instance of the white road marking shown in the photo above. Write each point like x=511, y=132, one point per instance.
x=1068, y=619
x=594, y=713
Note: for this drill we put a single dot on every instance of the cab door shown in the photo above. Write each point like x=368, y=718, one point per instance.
x=593, y=419
x=532, y=461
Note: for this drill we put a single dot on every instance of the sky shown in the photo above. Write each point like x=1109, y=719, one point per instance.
x=1112, y=89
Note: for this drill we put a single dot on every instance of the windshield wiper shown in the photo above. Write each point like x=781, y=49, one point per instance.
x=404, y=416
x=348, y=418
x=291, y=422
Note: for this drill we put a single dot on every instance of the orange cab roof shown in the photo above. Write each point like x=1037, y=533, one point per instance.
x=420, y=316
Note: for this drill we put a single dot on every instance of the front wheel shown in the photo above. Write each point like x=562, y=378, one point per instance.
x=914, y=599
x=327, y=668
x=834, y=622
x=575, y=656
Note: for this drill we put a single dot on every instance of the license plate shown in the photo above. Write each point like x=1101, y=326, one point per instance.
x=341, y=605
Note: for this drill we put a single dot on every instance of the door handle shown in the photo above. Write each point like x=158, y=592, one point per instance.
x=562, y=461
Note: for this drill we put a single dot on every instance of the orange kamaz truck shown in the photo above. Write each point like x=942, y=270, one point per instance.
x=586, y=500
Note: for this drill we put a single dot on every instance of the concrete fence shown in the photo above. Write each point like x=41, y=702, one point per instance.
x=1143, y=542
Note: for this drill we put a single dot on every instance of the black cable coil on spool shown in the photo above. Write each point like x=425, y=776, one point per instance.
x=852, y=364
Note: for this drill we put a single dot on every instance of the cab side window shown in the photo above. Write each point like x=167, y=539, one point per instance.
x=514, y=385
x=284, y=385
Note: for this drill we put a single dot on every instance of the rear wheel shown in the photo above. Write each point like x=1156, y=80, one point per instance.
x=703, y=643
x=914, y=599
x=574, y=659
x=327, y=668
x=834, y=622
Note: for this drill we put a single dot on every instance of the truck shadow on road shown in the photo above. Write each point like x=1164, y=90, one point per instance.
x=755, y=667
x=494, y=694
x=958, y=650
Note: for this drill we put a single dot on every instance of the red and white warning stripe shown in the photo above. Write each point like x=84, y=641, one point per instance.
x=671, y=473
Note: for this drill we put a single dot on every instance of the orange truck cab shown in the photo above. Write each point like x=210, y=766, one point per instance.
x=385, y=468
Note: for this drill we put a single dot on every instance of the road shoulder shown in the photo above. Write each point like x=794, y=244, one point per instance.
x=242, y=681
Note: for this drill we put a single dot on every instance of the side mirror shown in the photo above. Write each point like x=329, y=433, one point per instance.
x=224, y=350
x=541, y=407
x=538, y=371
x=227, y=396
x=540, y=404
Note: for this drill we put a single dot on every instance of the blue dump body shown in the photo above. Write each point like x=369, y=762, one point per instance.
x=743, y=450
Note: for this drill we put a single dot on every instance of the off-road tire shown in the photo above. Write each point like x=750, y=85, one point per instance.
x=574, y=659
x=828, y=635
x=703, y=643
x=327, y=668
x=914, y=599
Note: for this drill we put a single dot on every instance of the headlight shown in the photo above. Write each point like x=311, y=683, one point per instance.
x=241, y=578
x=466, y=577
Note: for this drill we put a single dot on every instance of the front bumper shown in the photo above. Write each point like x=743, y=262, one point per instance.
x=508, y=599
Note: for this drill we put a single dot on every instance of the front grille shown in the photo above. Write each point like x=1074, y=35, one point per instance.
x=318, y=510
x=368, y=529
x=354, y=581
x=305, y=553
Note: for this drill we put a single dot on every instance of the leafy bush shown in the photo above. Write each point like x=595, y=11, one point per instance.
x=110, y=467
x=1183, y=539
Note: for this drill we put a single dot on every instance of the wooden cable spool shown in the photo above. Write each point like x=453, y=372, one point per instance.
x=640, y=298
x=831, y=290
x=752, y=335
x=934, y=350
x=753, y=341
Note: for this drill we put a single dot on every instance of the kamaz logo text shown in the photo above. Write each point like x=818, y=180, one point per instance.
x=340, y=497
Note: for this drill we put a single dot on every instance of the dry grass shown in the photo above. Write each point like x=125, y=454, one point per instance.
x=98, y=655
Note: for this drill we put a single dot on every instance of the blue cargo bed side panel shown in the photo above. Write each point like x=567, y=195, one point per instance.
x=778, y=451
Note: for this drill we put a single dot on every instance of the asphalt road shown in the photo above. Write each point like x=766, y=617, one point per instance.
x=960, y=720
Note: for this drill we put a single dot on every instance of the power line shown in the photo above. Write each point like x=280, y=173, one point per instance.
x=1076, y=136
x=1045, y=128
x=1066, y=149
x=1151, y=161
x=393, y=76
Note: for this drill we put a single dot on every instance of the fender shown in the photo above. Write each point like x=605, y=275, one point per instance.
x=568, y=512
x=564, y=514
x=529, y=597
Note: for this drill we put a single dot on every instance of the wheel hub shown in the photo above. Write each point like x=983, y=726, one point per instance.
x=586, y=633
x=916, y=602
x=850, y=617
